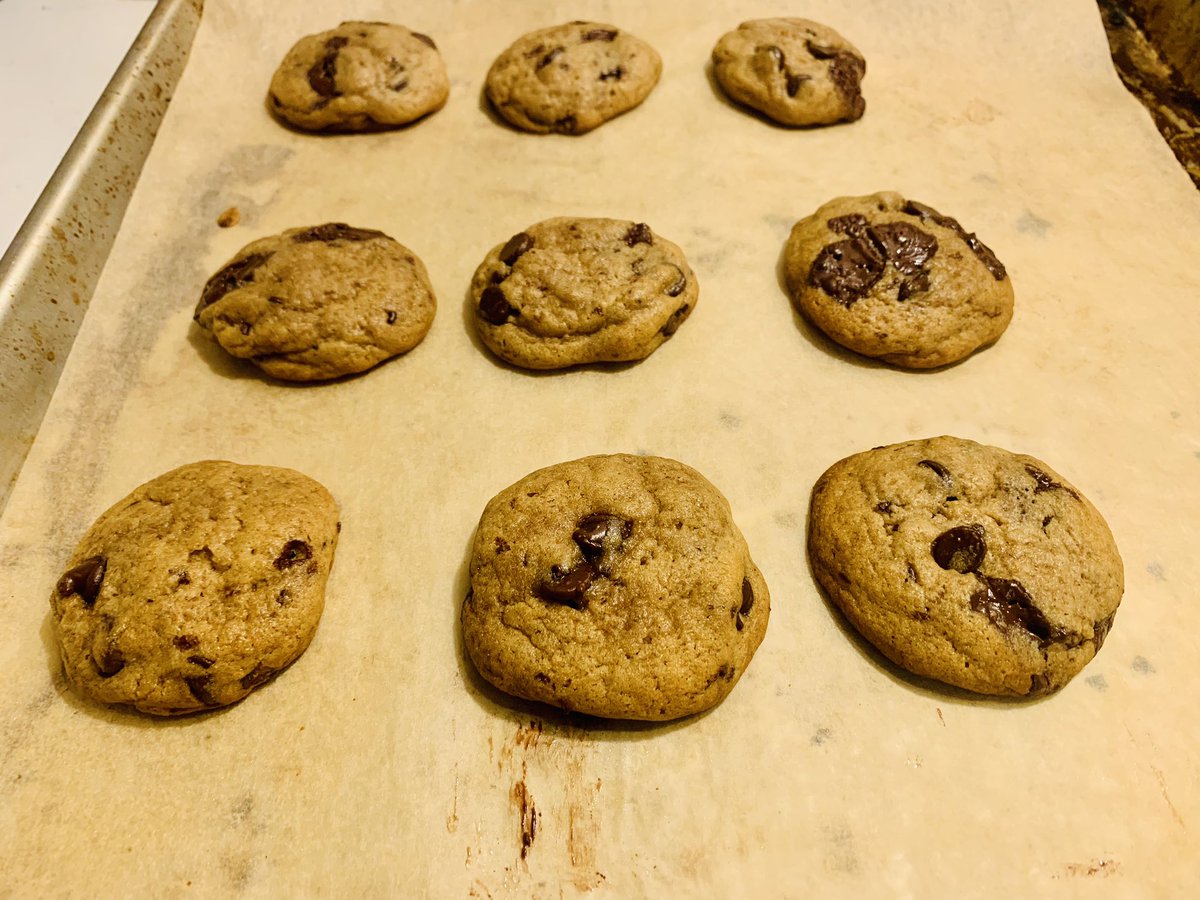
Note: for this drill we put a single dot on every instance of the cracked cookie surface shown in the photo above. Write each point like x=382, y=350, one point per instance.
x=360, y=75
x=571, y=78
x=969, y=564
x=617, y=586
x=320, y=302
x=196, y=588
x=794, y=71
x=569, y=291
x=892, y=278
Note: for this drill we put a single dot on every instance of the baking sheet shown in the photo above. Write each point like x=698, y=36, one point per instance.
x=380, y=764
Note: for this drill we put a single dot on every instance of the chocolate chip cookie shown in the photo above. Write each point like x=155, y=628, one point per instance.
x=315, y=303
x=196, y=588
x=359, y=76
x=979, y=567
x=571, y=78
x=570, y=291
x=794, y=71
x=616, y=586
x=895, y=279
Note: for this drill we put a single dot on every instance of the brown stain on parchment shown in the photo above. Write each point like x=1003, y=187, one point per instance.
x=552, y=800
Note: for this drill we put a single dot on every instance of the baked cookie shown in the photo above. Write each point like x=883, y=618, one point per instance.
x=571, y=78
x=978, y=567
x=316, y=303
x=616, y=586
x=794, y=71
x=360, y=75
x=895, y=279
x=569, y=291
x=196, y=588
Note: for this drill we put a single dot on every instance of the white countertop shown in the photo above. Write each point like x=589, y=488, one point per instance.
x=56, y=56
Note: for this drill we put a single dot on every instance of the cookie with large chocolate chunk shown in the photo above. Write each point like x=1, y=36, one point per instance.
x=981, y=568
x=566, y=291
x=359, y=76
x=895, y=279
x=794, y=71
x=319, y=302
x=196, y=588
x=617, y=586
x=571, y=78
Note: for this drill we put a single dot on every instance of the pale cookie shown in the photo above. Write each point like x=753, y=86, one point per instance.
x=571, y=78
x=316, y=303
x=978, y=567
x=617, y=586
x=359, y=76
x=565, y=292
x=894, y=279
x=196, y=588
x=794, y=71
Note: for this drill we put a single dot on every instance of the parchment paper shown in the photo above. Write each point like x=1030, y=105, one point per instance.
x=380, y=765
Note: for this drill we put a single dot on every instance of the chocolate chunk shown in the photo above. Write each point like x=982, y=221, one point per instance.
x=917, y=284
x=185, y=641
x=1046, y=483
x=639, y=234
x=820, y=51
x=203, y=662
x=1008, y=605
x=494, y=306
x=567, y=588
x=743, y=612
x=600, y=537
x=884, y=507
x=518, y=245
x=676, y=287
x=1100, y=630
x=399, y=85
x=550, y=57
x=853, y=224
x=599, y=34
x=846, y=270
x=257, y=676
x=293, y=552
x=774, y=52
x=906, y=247
x=237, y=273
x=424, y=39
x=502, y=545
x=846, y=71
x=672, y=324
x=84, y=579
x=112, y=662
x=391, y=316
x=321, y=77
x=612, y=74
x=336, y=231
x=565, y=125
x=198, y=685
x=961, y=549
x=939, y=470
x=982, y=252
x=794, y=81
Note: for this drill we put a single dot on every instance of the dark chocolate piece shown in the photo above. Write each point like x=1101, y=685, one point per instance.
x=794, y=81
x=336, y=231
x=599, y=34
x=961, y=549
x=672, y=324
x=198, y=685
x=906, y=247
x=612, y=74
x=494, y=306
x=743, y=612
x=600, y=536
x=853, y=224
x=917, y=284
x=846, y=270
x=257, y=676
x=1008, y=606
x=567, y=588
x=939, y=470
x=1046, y=483
x=982, y=252
x=322, y=75
x=233, y=276
x=550, y=57
x=518, y=245
x=424, y=39
x=112, y=662
x=203, y=662
x=295, y=551
x=565, y=125
x=84, y=579
x=185, y=641
x=639, y=234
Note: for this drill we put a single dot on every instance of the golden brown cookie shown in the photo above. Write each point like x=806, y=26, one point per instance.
x=794, y=71
x=979, y=567
x=895, y=279
x=565, y=292
x=617, y=586
x=360, y=75
x=196, y=588
x=315, y=303
x=571, y=78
